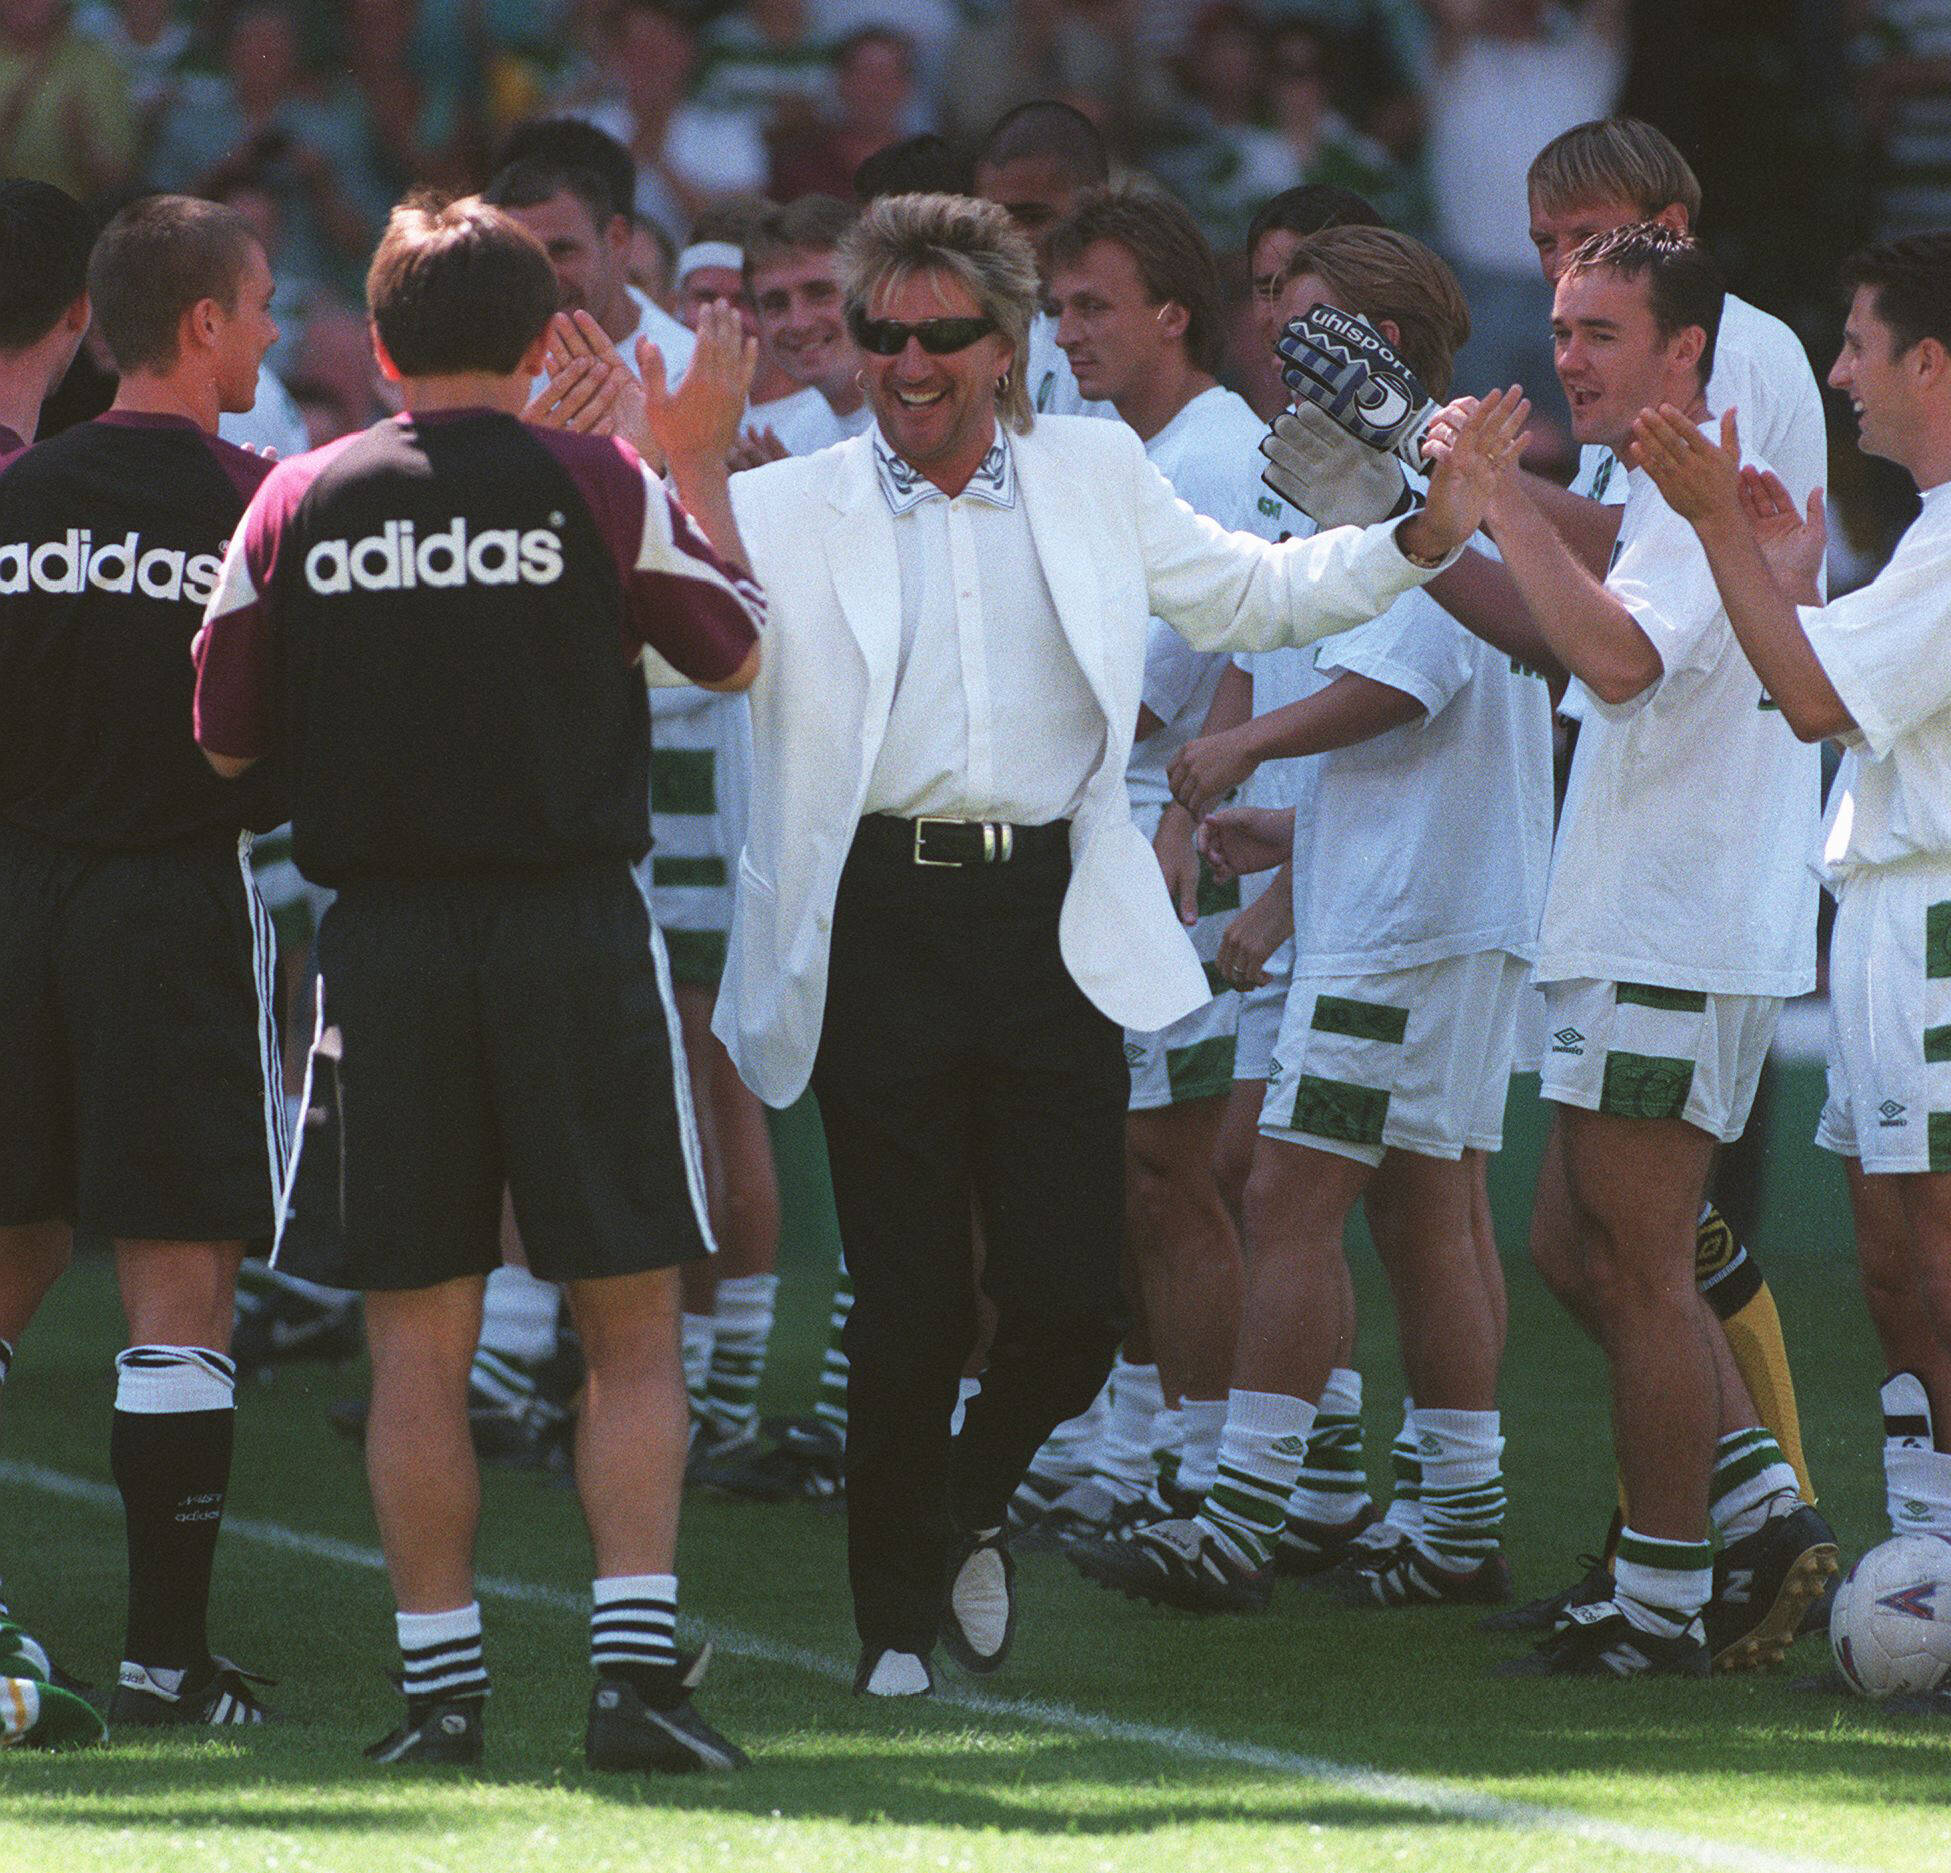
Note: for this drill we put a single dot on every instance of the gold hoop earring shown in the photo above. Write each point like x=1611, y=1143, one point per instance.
x=860, y=380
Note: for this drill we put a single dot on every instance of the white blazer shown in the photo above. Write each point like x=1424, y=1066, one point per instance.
x=1117, y=546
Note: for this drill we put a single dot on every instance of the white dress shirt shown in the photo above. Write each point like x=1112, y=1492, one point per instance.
x=992, y=716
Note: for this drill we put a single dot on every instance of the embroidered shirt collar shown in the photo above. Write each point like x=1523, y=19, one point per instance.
x=906, y=487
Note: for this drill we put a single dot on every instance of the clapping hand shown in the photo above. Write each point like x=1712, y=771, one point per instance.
x=1699, y=481
x=588, y=387
x=1474, y=453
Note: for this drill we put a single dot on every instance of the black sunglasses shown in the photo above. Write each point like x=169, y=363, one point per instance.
x=888, y=338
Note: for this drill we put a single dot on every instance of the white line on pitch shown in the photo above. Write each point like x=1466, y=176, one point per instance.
x=1377, y=1785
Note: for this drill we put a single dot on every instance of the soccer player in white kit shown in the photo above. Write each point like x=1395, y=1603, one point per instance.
x=1679, y=916
x=1592, y=178
x=1872, y=671
x=1140, y=318
x=1418, y=879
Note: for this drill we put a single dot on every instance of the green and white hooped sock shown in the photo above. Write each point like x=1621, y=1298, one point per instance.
x=695, y=1335
x=740, y=1327
x=1405, y=1512
x=1661, y=1585
x=1333, y=1485
x=1260, y=1454
x=1462, y=1494
x=831, y=1407
x=1752, y=1481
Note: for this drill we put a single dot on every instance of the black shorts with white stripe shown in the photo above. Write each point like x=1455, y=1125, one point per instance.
x=140, y=1093
x=474, y=1034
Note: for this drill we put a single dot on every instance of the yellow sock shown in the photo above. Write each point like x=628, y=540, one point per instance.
x=1727, y=1276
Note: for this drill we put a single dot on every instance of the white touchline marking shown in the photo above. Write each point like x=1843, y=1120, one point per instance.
x=1440, y=1798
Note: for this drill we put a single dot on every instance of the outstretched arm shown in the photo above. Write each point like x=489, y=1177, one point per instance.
x=1734, y=511
x=1350, y=709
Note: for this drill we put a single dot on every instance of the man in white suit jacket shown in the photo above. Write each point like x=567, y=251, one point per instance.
x=944, y=915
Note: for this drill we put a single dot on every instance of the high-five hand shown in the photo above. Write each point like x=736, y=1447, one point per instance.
x=1472, y=457
x=700, y=419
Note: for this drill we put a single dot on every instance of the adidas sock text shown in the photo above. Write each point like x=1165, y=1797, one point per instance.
x=169, y=1449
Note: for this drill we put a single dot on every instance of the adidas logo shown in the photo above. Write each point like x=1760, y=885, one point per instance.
x=1568, y=1041
x=1890, y=1113
x=68, y=566
x=391, y=560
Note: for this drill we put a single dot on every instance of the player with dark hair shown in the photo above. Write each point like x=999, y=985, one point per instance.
x=1036, y=161
x=45, y=240
x=923, y=165
x=139, y=1092
x=1679, y=916
x=1869, y=671
x=437, y=623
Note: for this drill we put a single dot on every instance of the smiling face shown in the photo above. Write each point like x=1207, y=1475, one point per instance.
x=1611, y=358
x=937, y=413
x=802, y=318
x=1108, y=326
x=589, y=262
x=1869, y=370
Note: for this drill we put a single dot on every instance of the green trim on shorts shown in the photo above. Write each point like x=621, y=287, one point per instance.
x=697, y=956
x=1645, y=1086
x=683, y=780
x=1339, y=1109
x=1937, y=942
x=1651, y=995
x=700, y=873
x=1216, y=982
x=1939, y=1136
x=1937, y=1045
x=1215, y=898
x=1362, y=1021
x=1202, y=1071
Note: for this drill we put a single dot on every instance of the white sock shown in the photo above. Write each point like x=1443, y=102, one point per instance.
x=1406, y=1471
x=1661, y=1585
x=741, y=1322
x=633, y=1622
x=1462, y=1485
x=1073, y=1445
x=1125, y=1455
x=440, y=1653
x=1205, y=1421
x=1260, y=1455
x=696, y=1332
x=965, y=1389
x=1916, y=1475
x=519, y=1316
x=1333, y=1485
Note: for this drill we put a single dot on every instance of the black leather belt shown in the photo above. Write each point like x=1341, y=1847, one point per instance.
x=961, y=842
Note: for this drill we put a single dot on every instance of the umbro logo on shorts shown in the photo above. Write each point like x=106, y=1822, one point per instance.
x=1568, y=1041
x=1891, y=1113
x=1134, y=1054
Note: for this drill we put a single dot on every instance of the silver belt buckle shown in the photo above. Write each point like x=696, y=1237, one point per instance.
x=953, y=864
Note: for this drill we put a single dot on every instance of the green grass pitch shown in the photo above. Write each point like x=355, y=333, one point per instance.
x=1119, y=1737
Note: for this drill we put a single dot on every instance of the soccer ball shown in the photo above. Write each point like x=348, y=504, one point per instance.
x=1890, y=1628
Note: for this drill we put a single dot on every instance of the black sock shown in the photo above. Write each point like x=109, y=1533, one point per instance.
x=170, y=1451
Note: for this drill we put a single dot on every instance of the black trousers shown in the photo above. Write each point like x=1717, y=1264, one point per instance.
x=962, y=1070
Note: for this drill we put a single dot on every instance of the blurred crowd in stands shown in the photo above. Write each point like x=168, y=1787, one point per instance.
x=1813, y=123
